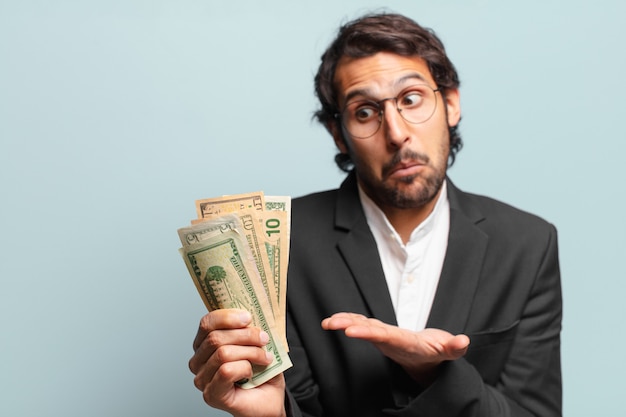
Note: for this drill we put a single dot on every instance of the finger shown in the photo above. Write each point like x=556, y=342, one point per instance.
x=355, y=316
x=373, y=332
x=248, y=336
x=223, y=383
x=457, y=346
x=225, y=355
x=336, y=323
x=221, y=319
x=442, y=345
x=340, y=321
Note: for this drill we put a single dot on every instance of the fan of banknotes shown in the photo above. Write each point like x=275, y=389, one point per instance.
x=237, y=253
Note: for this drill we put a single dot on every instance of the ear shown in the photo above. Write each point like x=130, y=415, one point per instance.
x=453, y=106
x=335, y=130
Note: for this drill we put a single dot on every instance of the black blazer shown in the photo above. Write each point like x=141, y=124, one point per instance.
x=500, y=285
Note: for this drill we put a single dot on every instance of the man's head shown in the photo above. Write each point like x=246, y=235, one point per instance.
x=368, y=36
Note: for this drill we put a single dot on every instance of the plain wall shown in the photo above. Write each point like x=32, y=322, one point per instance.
x=115, y=116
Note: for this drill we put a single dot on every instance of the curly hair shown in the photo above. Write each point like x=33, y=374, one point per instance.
x=384, y=32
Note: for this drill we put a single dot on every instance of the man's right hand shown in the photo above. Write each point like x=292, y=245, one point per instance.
x=225, y=347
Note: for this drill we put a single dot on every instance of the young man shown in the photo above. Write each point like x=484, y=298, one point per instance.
x=402, y=269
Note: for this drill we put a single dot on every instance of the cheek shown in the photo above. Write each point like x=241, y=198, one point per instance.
x=440, y=134
x=443, y=150
x=366, y=154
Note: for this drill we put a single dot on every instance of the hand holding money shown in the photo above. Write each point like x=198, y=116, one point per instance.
x=224, y=349
x=237, y=254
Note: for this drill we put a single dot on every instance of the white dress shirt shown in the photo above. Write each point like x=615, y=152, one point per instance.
x=412, y=271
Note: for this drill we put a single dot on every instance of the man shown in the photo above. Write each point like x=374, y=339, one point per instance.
x=402, y=269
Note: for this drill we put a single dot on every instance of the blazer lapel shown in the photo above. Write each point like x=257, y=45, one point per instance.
x=359, y=250
x=467, y=245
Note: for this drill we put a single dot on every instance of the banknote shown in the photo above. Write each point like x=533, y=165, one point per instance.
x=207, y=228
x=251, y=203
x=276, y=227
x=281, y=231
x=278, y=203
x=275, y=233
x=249, y=225
x=225, y=274
x=212, y=207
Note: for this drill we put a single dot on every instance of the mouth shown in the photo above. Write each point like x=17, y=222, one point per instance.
x=405, y=169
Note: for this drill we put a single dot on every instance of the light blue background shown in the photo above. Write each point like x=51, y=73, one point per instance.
x=116, y=115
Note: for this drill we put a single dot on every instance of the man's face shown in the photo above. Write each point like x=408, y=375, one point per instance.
x=403, y=165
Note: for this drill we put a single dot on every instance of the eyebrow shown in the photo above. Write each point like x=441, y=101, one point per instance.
x=367, y=93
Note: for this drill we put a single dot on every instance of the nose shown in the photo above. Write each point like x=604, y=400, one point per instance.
x=394, y=126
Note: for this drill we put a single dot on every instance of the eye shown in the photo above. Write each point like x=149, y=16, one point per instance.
x=411, y=98
x=364, y=112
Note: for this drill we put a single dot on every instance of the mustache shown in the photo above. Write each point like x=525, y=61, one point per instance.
x=406, y=155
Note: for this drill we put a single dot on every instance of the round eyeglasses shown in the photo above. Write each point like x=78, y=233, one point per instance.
x=362, y=118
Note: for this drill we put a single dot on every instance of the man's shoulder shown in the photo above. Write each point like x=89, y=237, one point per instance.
x=315, y=204
x=492, y=213
x=319, y=197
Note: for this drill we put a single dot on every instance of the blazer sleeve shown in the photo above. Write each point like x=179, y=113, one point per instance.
x=530, y=383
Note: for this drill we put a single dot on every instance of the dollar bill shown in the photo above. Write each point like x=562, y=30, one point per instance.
x=280, y=231
x=278, y=203
x=276, y=235
x=213, y=207
x=252, y=205
x=205, y=229
x=225, y=274
x=249, y=225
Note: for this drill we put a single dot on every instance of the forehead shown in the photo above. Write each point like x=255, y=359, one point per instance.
x=379, y=75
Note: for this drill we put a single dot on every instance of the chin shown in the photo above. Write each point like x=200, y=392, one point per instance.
x=410, y=193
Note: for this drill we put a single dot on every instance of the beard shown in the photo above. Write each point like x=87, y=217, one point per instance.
x=411, y=191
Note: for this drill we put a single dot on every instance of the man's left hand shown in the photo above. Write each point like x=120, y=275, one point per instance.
x=419, y=353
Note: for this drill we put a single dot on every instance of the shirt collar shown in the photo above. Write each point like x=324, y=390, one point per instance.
x=377, y=219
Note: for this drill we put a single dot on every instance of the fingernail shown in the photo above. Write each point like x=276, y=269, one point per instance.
x=265, y=338
x=269, y=356
x=245, y=317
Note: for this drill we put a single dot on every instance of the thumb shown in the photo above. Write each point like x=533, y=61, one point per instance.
x=457, y=346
